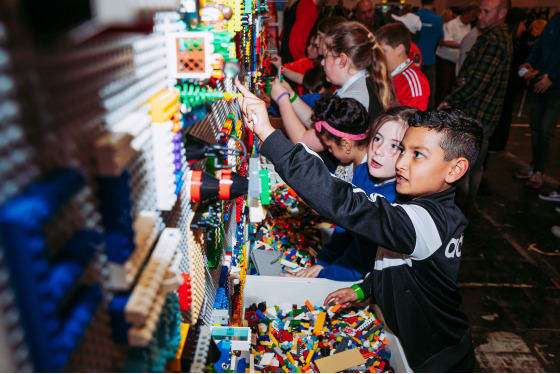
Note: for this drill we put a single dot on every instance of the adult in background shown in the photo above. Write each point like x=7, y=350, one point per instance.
x=481, y=85
x=542, y=68
x=430, y=35
x=365, y=14
x=516, y=20
x=448, y=52
x=466, y=45
x=298, y=22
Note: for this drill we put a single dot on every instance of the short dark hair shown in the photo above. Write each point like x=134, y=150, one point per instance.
x=344, y=114
x=427, y=2
x=472, y=7
x=314, y=79
x=394, y=34
x=463, y=135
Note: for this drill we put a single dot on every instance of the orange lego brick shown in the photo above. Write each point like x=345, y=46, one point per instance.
x=308, y=304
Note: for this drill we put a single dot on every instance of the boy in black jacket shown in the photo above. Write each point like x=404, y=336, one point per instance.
x=414, y=277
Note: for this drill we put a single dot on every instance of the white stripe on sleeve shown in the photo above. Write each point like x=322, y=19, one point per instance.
x=428, y=239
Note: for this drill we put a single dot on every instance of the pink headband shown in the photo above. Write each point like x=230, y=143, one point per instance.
x=340, y=134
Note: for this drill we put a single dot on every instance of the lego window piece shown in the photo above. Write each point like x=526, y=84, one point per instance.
x=189, y=53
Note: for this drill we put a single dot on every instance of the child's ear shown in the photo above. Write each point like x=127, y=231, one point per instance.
x=459, y=167
x=346, y=144
x=400, y=49
x=343, y=60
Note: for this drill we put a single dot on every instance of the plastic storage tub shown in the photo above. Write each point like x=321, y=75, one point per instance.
x=277, y=290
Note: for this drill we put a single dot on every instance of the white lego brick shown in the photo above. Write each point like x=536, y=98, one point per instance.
x=135, y=124
x=220, y=316
x=163, y=164
x=140, y=336
x=144, y=293
x=121, y=276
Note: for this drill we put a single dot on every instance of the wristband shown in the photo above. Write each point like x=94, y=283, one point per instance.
x=359, y=292
x=293, y=98
x=281, y=96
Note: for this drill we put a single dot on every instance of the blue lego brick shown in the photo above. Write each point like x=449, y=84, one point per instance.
x=116, y=212
x=241, y=365
x=224, y=361
x=221, y=301
x=73, y=327
x=119, y=326
x=196, y=114
x=53, y=312
x=82, y=246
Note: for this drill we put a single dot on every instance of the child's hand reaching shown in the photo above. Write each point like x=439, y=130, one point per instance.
x=344, y=296
x=254, y=111
x=278, y=88
x=310, y=272
x=276, y=60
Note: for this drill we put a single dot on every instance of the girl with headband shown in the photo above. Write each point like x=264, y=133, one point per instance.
x=354, y=61
x=342, y=127
x=348, y=257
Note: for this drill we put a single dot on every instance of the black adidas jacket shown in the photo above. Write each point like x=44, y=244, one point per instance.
x=414, y=277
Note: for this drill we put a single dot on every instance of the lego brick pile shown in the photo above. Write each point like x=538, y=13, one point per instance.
x=314, y=338
x=291, y=226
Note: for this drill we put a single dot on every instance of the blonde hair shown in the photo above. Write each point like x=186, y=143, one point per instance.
x=359, y=44
x=399, y=114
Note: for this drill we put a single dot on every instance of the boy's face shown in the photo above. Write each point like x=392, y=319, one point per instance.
x=312, y=49
x=383, y=151
x=421, y=169
x=395, y=56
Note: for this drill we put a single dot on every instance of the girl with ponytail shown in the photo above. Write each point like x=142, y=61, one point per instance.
x=354, y=61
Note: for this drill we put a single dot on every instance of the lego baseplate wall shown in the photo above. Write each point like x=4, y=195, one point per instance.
x=55, y=102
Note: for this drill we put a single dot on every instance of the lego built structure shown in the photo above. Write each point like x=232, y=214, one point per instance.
x=139, y=227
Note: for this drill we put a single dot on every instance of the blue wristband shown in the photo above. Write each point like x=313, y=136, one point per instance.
x=281, y=96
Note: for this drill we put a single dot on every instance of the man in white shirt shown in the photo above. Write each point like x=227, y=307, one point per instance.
x=448, y=52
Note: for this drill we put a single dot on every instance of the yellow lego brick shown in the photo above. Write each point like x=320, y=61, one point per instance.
x=184, y=332
x=164, y=105
x=319, y=323
x=273, y=339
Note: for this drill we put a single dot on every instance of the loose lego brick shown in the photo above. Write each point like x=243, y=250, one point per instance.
x=319, y=323
x=340, y=361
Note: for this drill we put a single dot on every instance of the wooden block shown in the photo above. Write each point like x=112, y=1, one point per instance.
x=340, y=361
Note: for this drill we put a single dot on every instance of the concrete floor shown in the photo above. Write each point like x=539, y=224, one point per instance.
x=510, y=272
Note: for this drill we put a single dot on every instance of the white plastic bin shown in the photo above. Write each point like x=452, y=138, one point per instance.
x=277, y=290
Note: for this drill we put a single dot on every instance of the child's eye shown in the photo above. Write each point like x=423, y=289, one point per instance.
x=395, y=147
x=377, y=139
x=401, y=150
x=418, y=154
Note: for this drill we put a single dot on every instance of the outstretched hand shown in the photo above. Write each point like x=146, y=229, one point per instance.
x=310, y=272
x=254, y=112
x=344, y=297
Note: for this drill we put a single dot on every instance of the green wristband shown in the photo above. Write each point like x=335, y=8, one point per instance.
x=293, y=98
x=359, y=292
